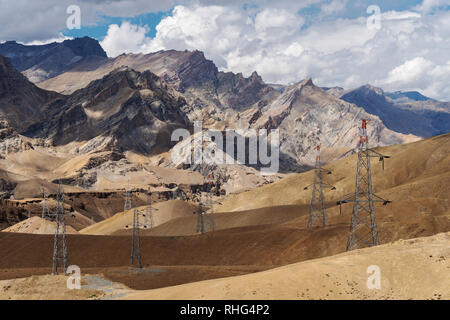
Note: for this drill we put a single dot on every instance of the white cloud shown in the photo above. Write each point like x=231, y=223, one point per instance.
x=126, y=38
x=409, y=71
x=429, y=5
x=409, y=52
x=333, y=7
x=59, y=38
x=269, y=37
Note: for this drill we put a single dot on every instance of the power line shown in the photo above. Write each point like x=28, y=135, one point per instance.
x=59, y=244
x=363, y=226
x=45, y=211
x=317, y=207
x=136, y=241
x=148, y=221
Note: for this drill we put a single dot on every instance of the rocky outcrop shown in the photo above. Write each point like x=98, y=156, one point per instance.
x=41, y=62
x=307, y=116
x=21, y=102
x=400, y=112
x=136, y=110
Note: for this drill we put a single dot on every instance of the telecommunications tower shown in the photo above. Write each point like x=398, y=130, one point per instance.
x=363, y=226
x=317, y=208
x=59, y=245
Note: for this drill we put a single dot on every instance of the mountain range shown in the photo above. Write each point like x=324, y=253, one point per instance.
x=71, y=98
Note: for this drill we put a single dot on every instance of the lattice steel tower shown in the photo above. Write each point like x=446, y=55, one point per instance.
x=363, y=226
x=148, y=221
x=136, y=241
x=127, y=204
x=209, y=202
x=317, y=210
x=201, y=227
x=206, y=221
x=45, y=211
x=59, y=244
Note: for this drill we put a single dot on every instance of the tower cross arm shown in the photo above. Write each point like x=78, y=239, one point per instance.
x=375, y=154
x=379, y=199
x=348, y=198
x=327, y=185
x=327, y=171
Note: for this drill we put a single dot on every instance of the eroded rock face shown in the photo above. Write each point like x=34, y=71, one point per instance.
x=21, y=102
x=307, y=116
x=136, y=109
x=41, y=62
x=408, y=113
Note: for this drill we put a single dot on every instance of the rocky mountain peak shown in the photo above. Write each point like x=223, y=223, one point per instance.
x=20, y=100
x=255, y=77
x=364, y=94
x=9, y=77
x=85, y=47
x=41, y=62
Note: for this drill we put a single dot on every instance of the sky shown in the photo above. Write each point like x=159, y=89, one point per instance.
x=395, y=45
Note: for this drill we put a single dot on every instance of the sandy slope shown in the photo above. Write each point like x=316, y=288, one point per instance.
x=162, y=213
x=43, y=287
x=410, y=269
x=37, y=225
x=416, y=170
x=226, y=220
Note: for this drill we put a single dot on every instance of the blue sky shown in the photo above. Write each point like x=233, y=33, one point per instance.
x=99, y=30
x=336, y=42
x=151, y=19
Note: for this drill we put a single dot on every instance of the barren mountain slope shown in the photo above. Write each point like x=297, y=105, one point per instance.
x=423, y=118
x=21, y=102
x=410, y=269
x=161, y=213
x=41, y=62
x=415, y=170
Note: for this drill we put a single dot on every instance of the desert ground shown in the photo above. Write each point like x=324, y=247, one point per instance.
x=261, y=248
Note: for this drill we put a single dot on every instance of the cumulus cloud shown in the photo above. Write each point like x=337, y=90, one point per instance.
x=27, y=21
x=410, y=71
x=126, y=38
x=410, y=51
x=429, y=5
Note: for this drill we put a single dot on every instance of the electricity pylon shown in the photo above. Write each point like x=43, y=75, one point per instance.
x=45, y=211
x=201, y=227
x=127, y=204
x=363, y=226
x=59, y=244
x=136, y=240
x=317, y=208
x=203, y=224
x=209, y=202
x=148, y=212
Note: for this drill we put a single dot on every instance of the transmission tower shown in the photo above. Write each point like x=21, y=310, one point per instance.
x=201, y=227
x=209, y=202
x=45, y=211
x=317, y=207
x=59, y=244
x=363, y=226
x=136, y=240
x=148, y=212
x=205, y=205
x=127, y=205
